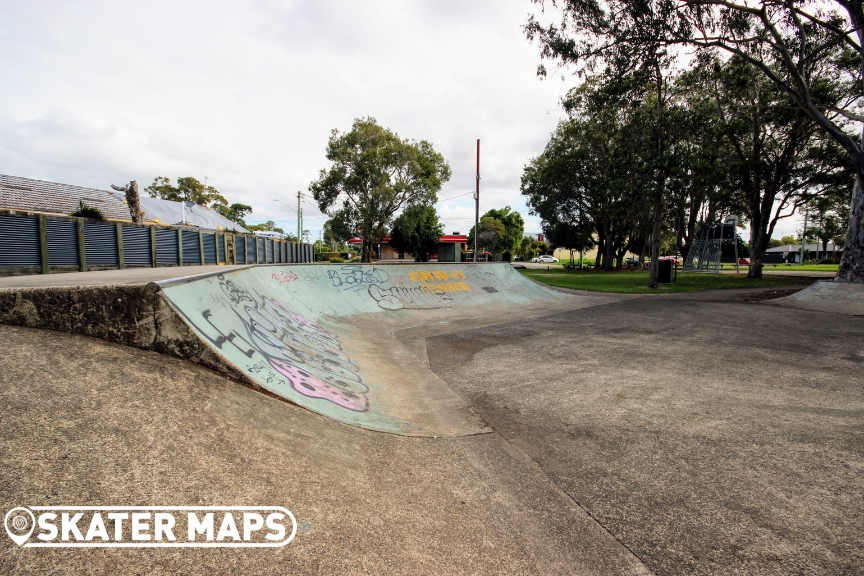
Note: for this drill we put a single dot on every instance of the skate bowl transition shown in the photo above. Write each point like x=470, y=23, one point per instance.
x=345, y=341
x=322, y=337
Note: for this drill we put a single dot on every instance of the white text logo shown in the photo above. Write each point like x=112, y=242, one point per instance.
x=150, y=526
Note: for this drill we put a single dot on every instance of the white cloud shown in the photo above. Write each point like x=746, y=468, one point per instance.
x=96, y=92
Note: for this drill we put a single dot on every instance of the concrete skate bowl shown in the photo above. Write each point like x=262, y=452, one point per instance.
x=322, y=337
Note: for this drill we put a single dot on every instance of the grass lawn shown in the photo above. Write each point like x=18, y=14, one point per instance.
x=804, y=268
x=636, y=282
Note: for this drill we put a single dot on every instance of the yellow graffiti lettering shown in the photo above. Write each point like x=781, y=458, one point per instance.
x=439, y=275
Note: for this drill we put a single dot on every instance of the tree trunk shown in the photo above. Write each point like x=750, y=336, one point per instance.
x=610, y=250
x=366, y=255
x=601, y=248
x=640, y=266
x=655, y=242
x=134, y=202
x=757, y=251
x=852, y=265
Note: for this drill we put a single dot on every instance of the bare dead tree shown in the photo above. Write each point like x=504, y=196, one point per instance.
x=132, y=199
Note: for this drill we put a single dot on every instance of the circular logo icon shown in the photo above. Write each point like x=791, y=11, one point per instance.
x=19, y=523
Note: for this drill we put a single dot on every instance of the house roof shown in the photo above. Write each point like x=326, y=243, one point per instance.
x=167, y=212
x=26, y=194
x=808, y=247
x=17, y=193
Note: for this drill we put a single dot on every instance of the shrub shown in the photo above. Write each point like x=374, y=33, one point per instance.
x=336, y=260
x=84, y=211
x=827, y=261
x=355, y=259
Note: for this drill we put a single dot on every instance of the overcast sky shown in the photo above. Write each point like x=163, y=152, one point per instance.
x=246, y=93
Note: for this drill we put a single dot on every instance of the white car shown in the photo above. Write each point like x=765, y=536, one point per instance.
x=547, y=259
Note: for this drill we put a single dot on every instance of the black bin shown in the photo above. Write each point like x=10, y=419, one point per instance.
x=664, y=271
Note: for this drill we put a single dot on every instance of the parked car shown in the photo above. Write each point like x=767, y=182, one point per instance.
x=675, y=261
x=546, y=259
x=744, y=261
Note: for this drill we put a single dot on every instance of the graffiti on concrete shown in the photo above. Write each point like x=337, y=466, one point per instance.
x=413, y=298
x=433, y=292
x=312, y=273
x=353, y=277
x=444, y=281
x=294, y=348
x=285, y=277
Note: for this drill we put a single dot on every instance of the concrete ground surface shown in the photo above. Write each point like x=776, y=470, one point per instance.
x=708, y=435
x=687, y=434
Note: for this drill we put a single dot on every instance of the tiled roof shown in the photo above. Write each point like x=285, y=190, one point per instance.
x=25, y=194
x=30, y=195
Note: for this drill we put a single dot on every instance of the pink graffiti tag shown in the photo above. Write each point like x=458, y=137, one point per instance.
x=308, y=385
x=285, y=277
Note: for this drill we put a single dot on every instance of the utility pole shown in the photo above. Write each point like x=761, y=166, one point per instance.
x=299, y=218
x=477, y=205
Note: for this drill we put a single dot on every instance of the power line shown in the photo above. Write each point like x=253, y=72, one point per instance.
x=452, y=197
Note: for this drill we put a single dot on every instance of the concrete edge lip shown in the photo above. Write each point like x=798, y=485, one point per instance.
x=193, y=277
x=827, y=296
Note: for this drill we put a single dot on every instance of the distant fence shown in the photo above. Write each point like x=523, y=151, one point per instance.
x=41, y=243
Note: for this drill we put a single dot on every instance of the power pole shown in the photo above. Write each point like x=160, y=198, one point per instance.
x=299, y=219
x=477, y=205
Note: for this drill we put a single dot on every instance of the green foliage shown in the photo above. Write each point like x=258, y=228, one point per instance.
x=355, y=259
x=234, y=212
x=374, y=174
x=493, y=236
x=84, y=211
x=336, y=260
x=417, y=231
x=595, y=178
x=785, y=91
x=502, y=231
x=188, y=189
x=336, y=235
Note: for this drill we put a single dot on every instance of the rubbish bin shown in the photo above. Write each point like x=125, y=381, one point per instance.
x=664, y=272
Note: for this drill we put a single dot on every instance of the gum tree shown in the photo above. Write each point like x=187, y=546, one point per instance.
x=783, y=39
x=375, y=173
